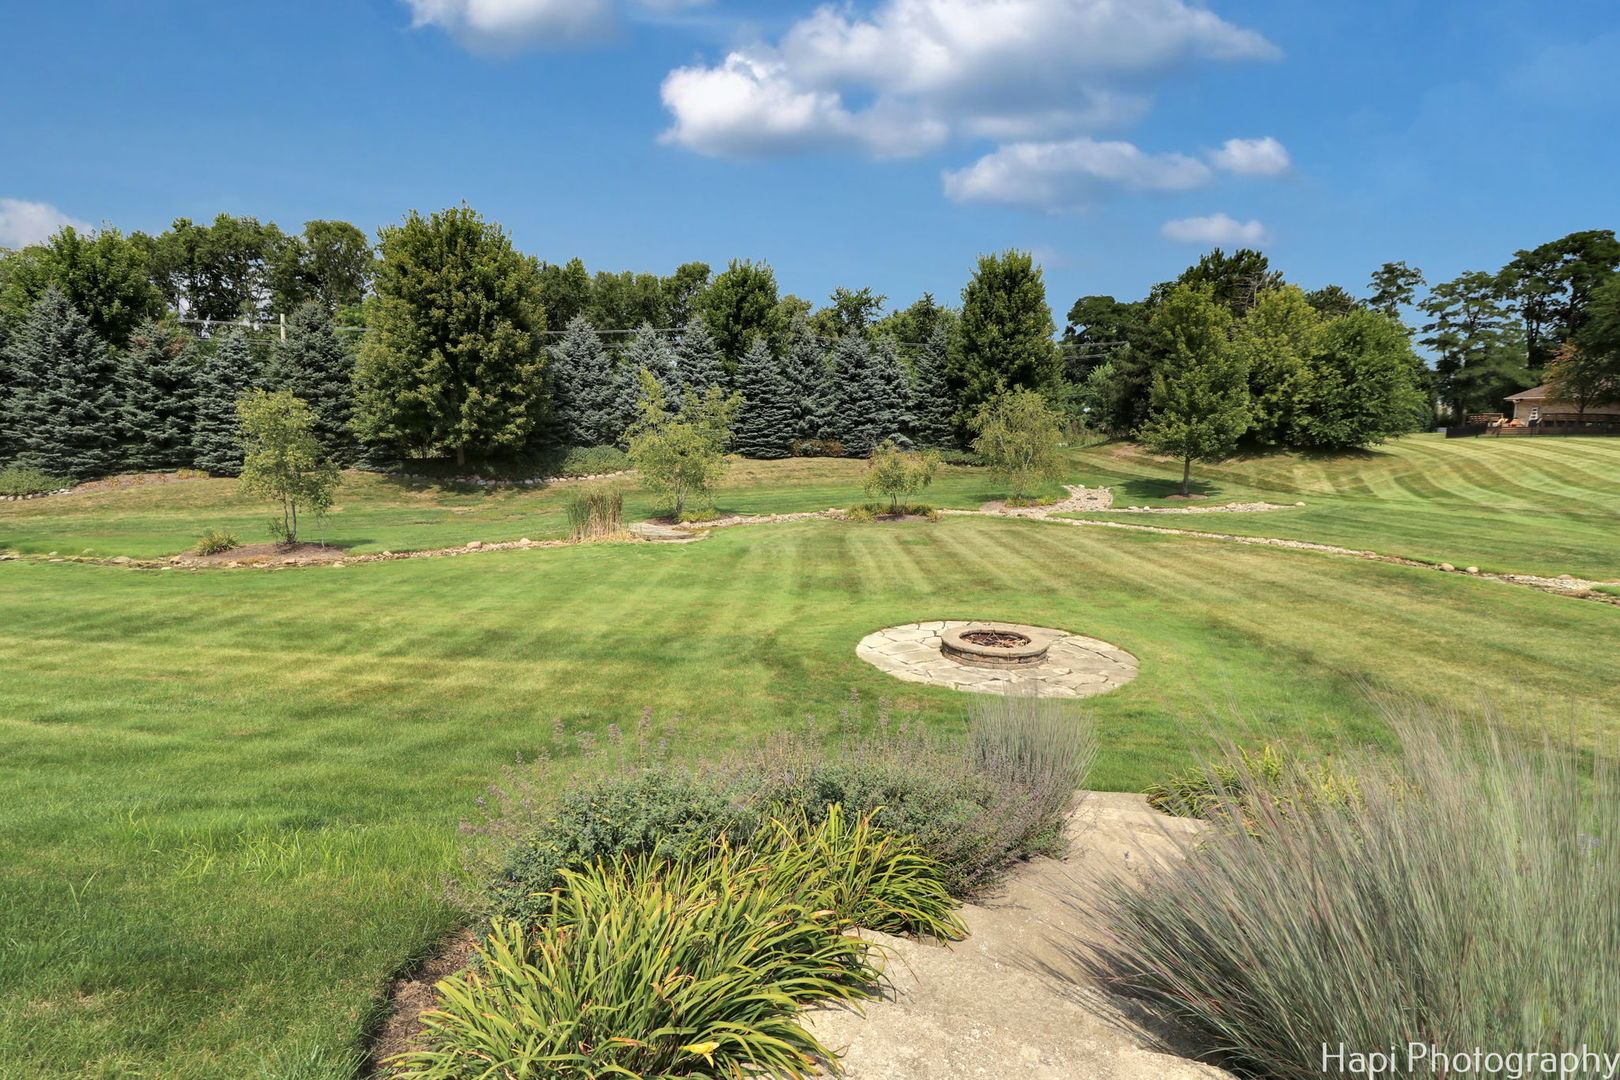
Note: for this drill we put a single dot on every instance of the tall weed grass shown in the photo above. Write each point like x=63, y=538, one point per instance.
x=1467, y=896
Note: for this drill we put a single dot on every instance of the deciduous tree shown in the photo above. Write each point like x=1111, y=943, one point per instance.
x=1200, y=403
x=103, y=274
x=1017, y=436
x=680, y=455
x=454, y=357
x=1364, y=384
x=897, y=474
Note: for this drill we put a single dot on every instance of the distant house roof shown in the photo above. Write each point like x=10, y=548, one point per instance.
x=1535, y=393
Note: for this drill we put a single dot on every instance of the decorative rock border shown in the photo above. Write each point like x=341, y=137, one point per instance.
x=34, y=495
x=1075, y=666
x=490, y=481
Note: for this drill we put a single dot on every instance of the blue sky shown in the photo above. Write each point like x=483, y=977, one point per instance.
x=880, y=144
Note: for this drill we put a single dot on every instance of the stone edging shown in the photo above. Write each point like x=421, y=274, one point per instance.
x=495, y=482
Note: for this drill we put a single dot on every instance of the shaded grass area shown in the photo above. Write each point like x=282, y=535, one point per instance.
x=1547, y=506
x=378, y=513
x=229, y=799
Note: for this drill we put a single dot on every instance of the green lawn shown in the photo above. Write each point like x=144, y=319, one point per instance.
x=227, y=800
x=1536, y=506
x=374, y=513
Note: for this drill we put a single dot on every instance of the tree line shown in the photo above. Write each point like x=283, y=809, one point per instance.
x=443, y=340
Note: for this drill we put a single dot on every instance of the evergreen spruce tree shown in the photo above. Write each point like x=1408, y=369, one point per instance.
x=932, y=409
x=767, y=418
x=159, y=390
x=697, y=358
x=648, y=349
x=874, y=402
x=588, y=390
x=315, y=366
x=64, y=411
x=809, y=383
x=227, y=374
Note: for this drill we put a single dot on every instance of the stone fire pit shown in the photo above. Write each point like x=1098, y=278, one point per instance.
x=999, y=658
x=988, y=646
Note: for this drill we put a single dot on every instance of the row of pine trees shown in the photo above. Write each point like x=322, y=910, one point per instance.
x=73, y=407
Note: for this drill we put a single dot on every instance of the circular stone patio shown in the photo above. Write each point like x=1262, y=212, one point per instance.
x=1075, y=666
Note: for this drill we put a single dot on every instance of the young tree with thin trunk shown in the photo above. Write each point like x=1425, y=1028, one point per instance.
x=1200, y=404
x=897, y=474
x=284, y=461
x=681, y=455
x=1017, y=437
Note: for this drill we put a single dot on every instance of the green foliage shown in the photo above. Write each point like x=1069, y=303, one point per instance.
x=283, y=460
x=103, y=274
x=626, y=300
x=453, y=361
x=898, y=474
x=317, y=367
x=1583, y=378
x=1235, y=282
x=740, y=307
x=228, y=372
x=330, y=264
x=21, y=480
x=157, y=392
x=1552, y=284
x=1200, y=403
x=697, y=358
x=973, y=809
x=645, y=967
x=596, y=512
x=565, y=291
x=650, y=351
x=1004, y=336
x=593, y=461
x=220, y=271
x=1017, y=434
x=215, y=541
x=586, y=388
x=808, y=381
x=1479, y=348
x=873, y=400
x=681, y=456
x=1393, y=286
x=1277, y=342
x=1366, y=913
x=768, y=414
x=932, y=406
x=63, y=411
x=1364, y=384
x=1250, y=784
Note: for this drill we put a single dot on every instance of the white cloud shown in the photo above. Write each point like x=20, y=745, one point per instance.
x=1072, y=173
x=513, y=25
x=923, y=71
x=1251, y=157
x=23, y=223
x=1214, y=229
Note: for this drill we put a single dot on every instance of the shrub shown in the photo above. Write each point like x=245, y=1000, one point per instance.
x=593, y=461
x=215, y=541
x=874, y=510
x=818, y=448
x=595, y=512
x=645, y=967
x=1464, y=898
x=974, y=808
x=1252, y=783
x=17, y=480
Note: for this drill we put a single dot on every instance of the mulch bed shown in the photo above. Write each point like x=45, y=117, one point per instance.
x=410, y=996
x=304, y=553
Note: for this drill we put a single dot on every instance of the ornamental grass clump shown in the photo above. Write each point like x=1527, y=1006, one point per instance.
x=646, y=967
x=1468, y=895
x=596, y=512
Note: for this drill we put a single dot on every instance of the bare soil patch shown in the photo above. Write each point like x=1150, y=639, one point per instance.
x=410, y=996
x=300, y=554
